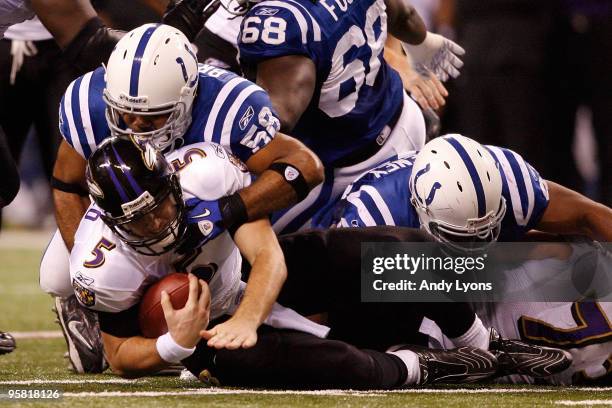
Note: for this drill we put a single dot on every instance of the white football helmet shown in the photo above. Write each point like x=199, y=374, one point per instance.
x=153, y=70
x=456, y=189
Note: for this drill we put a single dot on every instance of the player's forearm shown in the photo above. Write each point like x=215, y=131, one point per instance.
x=598, y=222
x=569, y=212
x=272, y=192
x=400, y=63
x=268, y=274
x=404, y=22
x=64, y=19
x=135, y=357
x=69, y=209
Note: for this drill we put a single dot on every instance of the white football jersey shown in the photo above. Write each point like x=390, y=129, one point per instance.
x=109, y=276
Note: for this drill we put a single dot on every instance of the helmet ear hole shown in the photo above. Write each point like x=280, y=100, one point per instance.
x=459, y=186
x=488, y=176
x=446, y=164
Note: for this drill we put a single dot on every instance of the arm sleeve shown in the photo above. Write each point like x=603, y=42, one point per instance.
x=254, y=125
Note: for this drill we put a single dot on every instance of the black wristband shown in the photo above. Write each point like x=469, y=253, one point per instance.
x=233, y=212
x=68, y=187
x=294, y=177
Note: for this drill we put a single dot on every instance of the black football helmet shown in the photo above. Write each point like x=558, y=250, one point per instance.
x=129, y=180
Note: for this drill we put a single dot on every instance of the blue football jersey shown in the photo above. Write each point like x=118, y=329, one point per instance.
x=357, y=93
x=228, y=110
x=382, y=196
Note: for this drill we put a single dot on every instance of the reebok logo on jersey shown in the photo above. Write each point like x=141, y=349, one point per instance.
x=84, y=279
x=291, y=173
x=246, y=118
x=265, y=11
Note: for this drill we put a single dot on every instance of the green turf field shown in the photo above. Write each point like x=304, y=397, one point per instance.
x=38, y=364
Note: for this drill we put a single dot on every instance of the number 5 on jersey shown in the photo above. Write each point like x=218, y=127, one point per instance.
x=99, y=257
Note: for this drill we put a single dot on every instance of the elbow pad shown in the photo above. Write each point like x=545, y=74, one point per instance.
x=189, y=16
x=92, y=45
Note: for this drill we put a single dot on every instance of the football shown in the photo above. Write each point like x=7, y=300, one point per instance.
x=150, y=314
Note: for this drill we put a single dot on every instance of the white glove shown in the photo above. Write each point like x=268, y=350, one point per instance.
x=19, y=50
x=436, y=54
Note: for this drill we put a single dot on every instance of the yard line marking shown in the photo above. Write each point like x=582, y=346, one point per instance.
x=217, y=391
x=40, y=381
x=584, y=402
x=43, y=334
x=356, y=393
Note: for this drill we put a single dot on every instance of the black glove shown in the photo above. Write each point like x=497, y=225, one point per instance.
x=92, y=46
x=189, y=16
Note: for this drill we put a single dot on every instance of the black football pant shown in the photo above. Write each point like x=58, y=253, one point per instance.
x=296, y=360
x=324, y=276
x=9, y=184
x=324, y=269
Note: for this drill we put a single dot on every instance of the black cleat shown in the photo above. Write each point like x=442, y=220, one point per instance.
x=7, y=343
x=82, y=333
x=518, y=357
x=460, y=365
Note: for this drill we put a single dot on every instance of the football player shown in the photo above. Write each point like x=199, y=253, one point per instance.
x=154, y=89
x=127, y=239
x=582, y=328
x=322, y=64
x=84, y=38
x=467, y=196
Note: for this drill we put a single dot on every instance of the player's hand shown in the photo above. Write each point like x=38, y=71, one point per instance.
x=427, y=90
x=436, y=54
x=204, y=223
x=185, y=324
x=189, y=16
x=233, y=334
